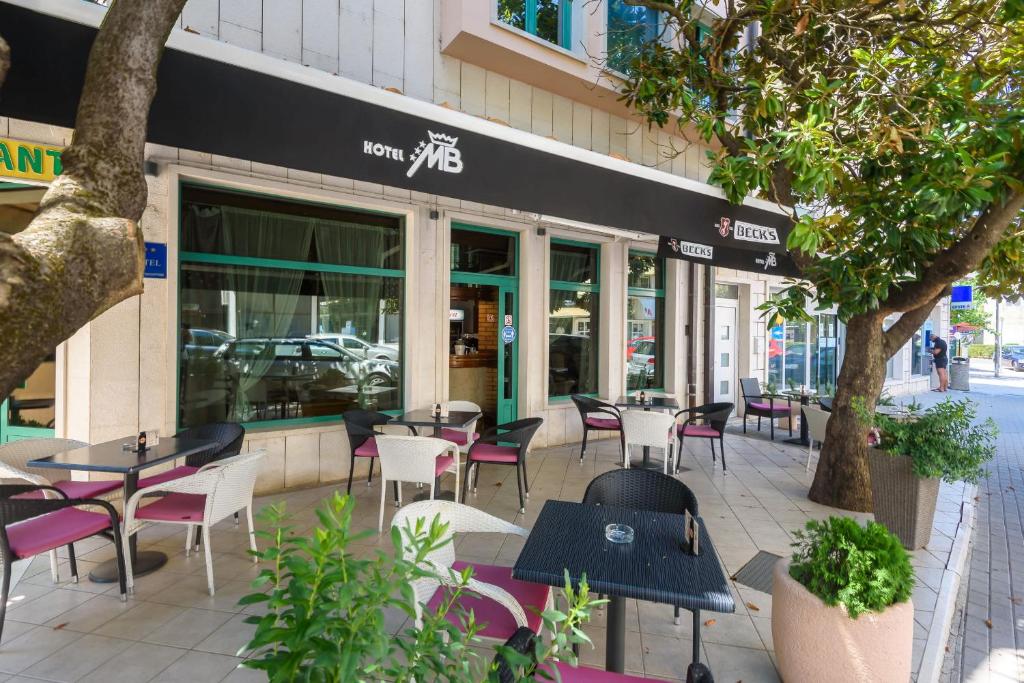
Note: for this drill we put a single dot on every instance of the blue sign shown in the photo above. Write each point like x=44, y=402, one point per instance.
x=508, y=334
x=962, y=297
x=778, y=333
x=156, y=260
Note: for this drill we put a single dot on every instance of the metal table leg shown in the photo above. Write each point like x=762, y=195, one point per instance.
x=696, y=635
x=142, y=563
x=615, y=641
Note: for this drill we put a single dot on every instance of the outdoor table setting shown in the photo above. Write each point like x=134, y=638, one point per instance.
x=647, y=403
x=805, y=395
x=425, y=417
x=653, y=564
x=119, y=457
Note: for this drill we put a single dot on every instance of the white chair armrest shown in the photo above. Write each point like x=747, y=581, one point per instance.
x=11, y=472
x=201, y=483
x=487, y=590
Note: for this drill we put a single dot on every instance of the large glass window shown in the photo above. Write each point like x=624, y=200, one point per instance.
x=802, y=353
x=573, y=319
x=286, y=310
x=549, y=20
x=475, y=251
x=645, y=322
x=629, y=29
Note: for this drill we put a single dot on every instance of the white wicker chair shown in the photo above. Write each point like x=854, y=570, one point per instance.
x=215, y=492
x=464, y=438
x=14, y=459
x=649, y=429
x=817, y=422
x=413, y=459
x=498, y=594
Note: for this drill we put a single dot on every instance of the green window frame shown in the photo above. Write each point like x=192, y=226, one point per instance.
x=578, y=289
x=658, y=294
x=535, y=17
x=629, y=27
x=187, y=258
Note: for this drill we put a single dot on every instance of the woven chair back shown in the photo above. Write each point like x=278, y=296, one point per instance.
x=648, y=428
x=227, y=435
x=235, y=481
x=642, y=490
x=751, y=389
x=817, y=422
x=410, y=458
x=16, y=455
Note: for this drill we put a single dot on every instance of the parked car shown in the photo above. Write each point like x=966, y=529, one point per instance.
x=199, y=343
x=358, y=346
x=1013, y=356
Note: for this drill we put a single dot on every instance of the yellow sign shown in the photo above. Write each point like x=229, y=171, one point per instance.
x=28, y=160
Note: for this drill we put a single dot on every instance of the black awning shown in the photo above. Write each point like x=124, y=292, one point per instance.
x=208, y=105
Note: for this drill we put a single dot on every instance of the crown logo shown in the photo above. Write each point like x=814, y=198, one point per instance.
x=442, y=139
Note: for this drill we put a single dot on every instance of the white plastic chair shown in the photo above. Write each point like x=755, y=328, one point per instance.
x=217, y=491
x=649, y=429
x=465, y=519
x=817, y=422
x=413, y=459
x=464, y=438
x=14, y=459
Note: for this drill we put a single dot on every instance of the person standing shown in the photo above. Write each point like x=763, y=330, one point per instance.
x=940, y=354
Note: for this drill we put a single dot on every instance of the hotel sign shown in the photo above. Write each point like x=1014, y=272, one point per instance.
x=29, y=161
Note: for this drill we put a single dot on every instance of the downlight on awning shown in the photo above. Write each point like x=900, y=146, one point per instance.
x=221, y=99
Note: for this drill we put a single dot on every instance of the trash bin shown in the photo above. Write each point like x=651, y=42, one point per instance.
x=960, y=374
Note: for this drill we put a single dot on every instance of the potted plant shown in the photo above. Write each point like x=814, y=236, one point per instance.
x=329, y=606
x=911, y=457
x=841, y=609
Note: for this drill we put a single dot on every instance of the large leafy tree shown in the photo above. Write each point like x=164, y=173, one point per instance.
x=891, y=130
x=83, y=251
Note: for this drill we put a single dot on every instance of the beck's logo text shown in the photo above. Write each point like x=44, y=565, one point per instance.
x=440, y=153
x=748, y=232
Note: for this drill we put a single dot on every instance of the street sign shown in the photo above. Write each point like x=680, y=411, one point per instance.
x=962, y=298
x=156, y=260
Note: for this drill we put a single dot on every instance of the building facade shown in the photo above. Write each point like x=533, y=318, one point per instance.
x=281, y=296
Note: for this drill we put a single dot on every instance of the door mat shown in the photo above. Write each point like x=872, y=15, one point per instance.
x=757, y=573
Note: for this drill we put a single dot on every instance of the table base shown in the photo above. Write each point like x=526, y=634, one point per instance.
x=438, y=495
x=146, y=561
x=648, y=464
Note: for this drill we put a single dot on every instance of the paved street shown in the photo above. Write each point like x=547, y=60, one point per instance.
x=988, y=628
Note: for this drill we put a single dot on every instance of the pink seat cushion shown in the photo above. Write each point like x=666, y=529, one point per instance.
x=368, y=449
x=488, y=452
x=706, y=431
x=175, y=507
x=78, y=489
x=54, y=529
x=585, y=674
x=169, y=475
x=442, y=464
x=767, y=406
x=457, y=437
x=499, y=621
x=603, y=423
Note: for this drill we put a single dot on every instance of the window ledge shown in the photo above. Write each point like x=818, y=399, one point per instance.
x=539, y=41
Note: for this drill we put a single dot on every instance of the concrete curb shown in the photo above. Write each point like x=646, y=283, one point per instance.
x=945, y=606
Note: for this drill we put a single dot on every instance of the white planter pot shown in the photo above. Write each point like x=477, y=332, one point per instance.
x=815, y=642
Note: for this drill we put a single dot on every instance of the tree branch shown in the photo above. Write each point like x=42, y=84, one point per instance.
x=82, y=253
x=900, y=331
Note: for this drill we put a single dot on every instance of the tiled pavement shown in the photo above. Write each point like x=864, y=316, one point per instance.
x=172, y=630
x=990, y=622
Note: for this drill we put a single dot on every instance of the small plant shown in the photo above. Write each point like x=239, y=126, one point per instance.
x=943, y=441
x=863, y=568
x=326, y=605
x=885, y=399
x=771, y=388
x=791, y=384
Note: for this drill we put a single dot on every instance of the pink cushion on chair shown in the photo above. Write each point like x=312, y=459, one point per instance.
x=603, y=423
x=169, y=475
x=368, y=449
x=457, y=437
x=78, y=489
x=706, y=431
x=442, y=464
x=767, y=406
x=175, y=507
x=488, y=452
x=54, y=529
x=585, y=674
x=499, y=621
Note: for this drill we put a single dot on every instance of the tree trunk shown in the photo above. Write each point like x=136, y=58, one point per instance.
x=841, y=479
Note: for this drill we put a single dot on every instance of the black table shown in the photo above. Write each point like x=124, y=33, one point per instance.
x=110, y=457
x=805, y=400
x=424, y=417
x=650, y=402
x=570, y=536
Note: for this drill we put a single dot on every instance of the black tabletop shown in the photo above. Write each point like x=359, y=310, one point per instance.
x=631, y=401
x=653, y=567
x=425, y=418
x=110, y=457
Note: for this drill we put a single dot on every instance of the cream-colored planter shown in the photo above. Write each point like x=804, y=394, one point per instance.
x=816, y=643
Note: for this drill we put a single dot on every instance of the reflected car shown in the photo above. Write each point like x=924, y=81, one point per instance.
x=1013, y=357
x=361, y=348
x=310, y=361
x=199, y=343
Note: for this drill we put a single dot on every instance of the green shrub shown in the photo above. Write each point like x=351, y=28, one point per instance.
x=327, y=603
x=943, y=441
x=981, y=350
x=863, y=568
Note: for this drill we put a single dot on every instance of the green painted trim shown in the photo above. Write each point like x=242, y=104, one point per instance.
x=17, y=432
x=472, y=227
x=640, y=291
x=568, y=397
x=578, y=243
x=268, y=425
x=531, y=16
x=565, y=37
x=563, y=286
x=461, y=278
x=255, y=262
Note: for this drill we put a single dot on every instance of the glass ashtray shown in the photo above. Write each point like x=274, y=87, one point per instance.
x=619, y=533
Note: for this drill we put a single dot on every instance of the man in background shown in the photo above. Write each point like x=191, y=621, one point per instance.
x=940, y=354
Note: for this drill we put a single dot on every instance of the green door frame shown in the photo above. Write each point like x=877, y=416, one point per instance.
x=508, y=406
x=16, y=433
